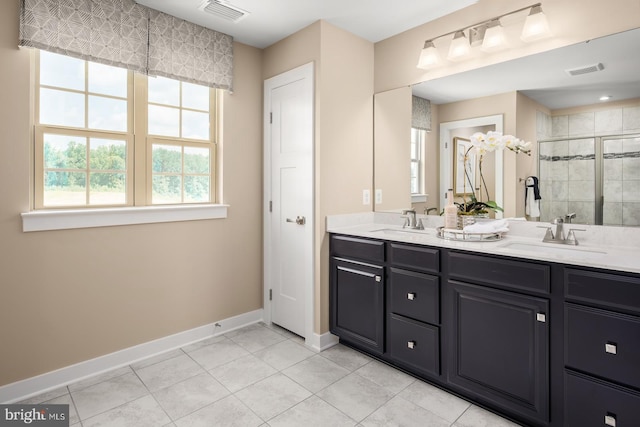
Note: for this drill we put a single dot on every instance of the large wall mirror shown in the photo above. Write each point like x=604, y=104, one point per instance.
x=586, y=152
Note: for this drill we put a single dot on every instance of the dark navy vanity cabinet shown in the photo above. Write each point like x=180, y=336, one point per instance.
x=542, y=343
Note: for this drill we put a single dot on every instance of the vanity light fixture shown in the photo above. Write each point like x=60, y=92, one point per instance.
x=459, y=47
x=429, y=56
x=489, y=33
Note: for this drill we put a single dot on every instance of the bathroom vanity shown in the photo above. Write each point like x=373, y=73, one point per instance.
x=531, y=332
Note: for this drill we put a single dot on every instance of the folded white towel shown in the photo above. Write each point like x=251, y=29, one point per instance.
x=496, y=226
x=532, y=207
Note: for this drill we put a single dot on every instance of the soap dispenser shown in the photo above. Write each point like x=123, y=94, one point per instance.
x=450, y=212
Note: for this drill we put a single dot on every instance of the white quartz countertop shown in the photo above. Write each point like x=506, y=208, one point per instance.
x=517, y=244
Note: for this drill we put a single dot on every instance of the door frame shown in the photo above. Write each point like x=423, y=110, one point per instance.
x=446, y=156
x=303, y=72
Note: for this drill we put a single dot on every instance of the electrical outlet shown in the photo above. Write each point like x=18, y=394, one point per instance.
x=366, y=197
x=378, y=196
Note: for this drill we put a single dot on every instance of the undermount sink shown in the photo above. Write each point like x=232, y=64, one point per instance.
x=554, y=249
x=404, y=231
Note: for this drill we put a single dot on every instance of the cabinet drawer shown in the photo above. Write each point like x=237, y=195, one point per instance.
x=414, y=344
x=352, y=247
x=603, y=343
x=414, y=295
x=500, y=272
x=414, y=257
x=591, y=402
x=610, y=290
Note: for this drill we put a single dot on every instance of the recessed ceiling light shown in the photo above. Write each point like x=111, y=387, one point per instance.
x=605, y=98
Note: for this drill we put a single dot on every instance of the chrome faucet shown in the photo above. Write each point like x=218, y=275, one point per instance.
x=568, y=217
x=427, y=211
x=411, y=220
x=558, y=236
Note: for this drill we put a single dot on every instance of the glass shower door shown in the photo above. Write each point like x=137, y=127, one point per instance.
x=621, y=181
x=568, y=185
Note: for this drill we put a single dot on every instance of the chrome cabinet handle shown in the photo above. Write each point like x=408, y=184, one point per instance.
x=610, y=420
x=300, y=220
x=411, y=296
x=541, y=317
x=378, y=279
x=611, y=348
x=411, y=345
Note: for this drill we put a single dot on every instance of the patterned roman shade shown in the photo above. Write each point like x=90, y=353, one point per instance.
x=188, y=52
x=128, y=35
x=420, y=113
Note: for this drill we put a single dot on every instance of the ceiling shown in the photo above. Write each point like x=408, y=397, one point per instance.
x=269, y=21
x=542, y=77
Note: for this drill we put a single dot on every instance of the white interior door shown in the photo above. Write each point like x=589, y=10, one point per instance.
x=289, y=238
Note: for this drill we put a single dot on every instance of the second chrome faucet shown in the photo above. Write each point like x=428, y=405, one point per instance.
x=411, y=220
x=559, y=236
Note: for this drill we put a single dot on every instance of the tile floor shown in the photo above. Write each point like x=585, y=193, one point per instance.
x=262, y=376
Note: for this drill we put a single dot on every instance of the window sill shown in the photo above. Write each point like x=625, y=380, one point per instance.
x=419, y=198
x=86, y=218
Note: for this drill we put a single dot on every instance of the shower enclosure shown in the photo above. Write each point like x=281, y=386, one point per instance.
x=597, y=178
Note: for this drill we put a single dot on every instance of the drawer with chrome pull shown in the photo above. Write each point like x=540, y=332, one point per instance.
x=414, y=295
x=603, y=343
x=414, y=344
x=591, y=402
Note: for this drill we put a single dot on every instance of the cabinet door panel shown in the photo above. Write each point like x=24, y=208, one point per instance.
x=499, y=348
x=357, y=303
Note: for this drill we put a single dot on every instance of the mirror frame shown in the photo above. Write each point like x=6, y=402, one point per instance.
x=446, y=156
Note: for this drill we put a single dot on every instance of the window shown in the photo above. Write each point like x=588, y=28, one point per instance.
x=178, y=122
x=108, y=137
x=418, y=137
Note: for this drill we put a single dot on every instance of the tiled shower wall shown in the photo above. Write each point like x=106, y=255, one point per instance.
x=567, y=167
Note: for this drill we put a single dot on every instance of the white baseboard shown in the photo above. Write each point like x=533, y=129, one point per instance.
x=322, y=342
x=33, y=386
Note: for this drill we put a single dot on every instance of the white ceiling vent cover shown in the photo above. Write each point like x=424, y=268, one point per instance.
x=585, y=70
x=223, y=10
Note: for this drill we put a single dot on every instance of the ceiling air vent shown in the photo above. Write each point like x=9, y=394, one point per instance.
x=224, y=10
x=585, y=70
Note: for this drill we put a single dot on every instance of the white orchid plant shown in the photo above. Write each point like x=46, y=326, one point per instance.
x=481, y=144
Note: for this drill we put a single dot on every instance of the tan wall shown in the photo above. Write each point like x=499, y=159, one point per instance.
x=571, y=21
x=343, y=129
x=392, y=136
x=68, y=296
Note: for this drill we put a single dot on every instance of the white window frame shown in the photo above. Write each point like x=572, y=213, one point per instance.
x=138, y=208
